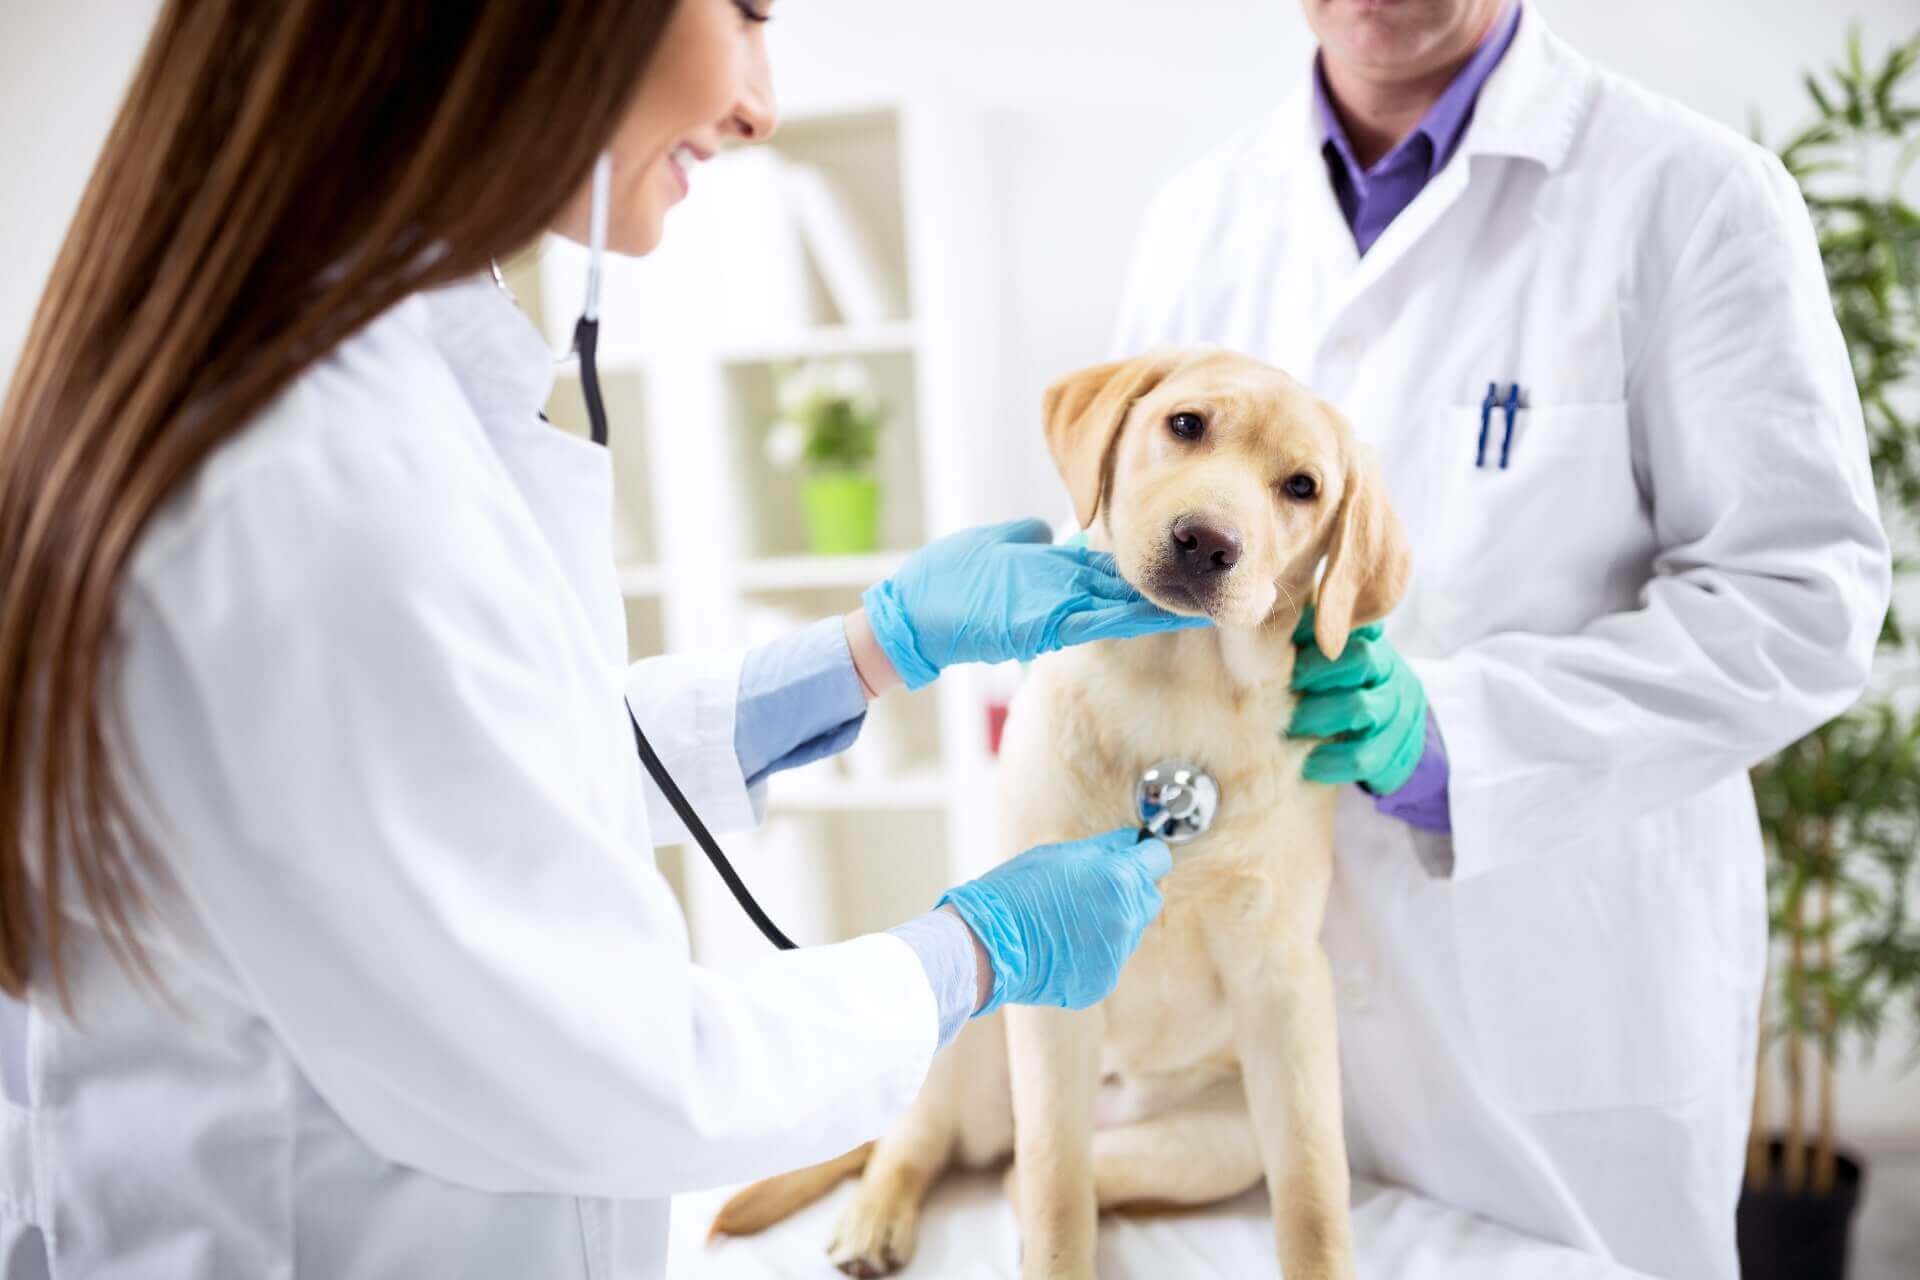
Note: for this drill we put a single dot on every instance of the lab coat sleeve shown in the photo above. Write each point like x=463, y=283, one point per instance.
x=400, y=795
x=1770, y=584
x=714, y=719
x=686, y=704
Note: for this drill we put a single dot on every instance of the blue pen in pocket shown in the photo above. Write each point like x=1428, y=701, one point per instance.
x=1509, y=406
x=1486, y=421
x=1506, y=441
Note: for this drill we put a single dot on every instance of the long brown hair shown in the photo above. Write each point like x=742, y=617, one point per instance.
x=279, y=174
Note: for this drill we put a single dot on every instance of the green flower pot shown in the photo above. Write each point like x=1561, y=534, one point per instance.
x=842, y=510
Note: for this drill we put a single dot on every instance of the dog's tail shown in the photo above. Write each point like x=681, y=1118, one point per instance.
x=757, y=1207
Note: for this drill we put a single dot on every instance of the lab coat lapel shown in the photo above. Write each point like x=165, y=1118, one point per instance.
x=1334, y=261
x=1407, y=231
x=506, y=372
x=1528, y=110
x=1303, y=273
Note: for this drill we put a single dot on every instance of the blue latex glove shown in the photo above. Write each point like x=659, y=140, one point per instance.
x=1003, y=592
x=1059, y=921
x=1367, y=702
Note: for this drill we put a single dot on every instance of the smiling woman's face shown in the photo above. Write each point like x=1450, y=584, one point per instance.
x=708, y=81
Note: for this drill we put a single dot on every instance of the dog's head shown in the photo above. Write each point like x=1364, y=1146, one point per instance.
x=1223, y=485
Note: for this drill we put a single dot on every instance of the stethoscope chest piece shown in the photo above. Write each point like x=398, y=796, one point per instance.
x=1176, y=801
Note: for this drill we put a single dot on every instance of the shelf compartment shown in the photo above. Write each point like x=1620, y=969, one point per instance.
x=770, y=496
x=858, y=154
x=641, y=581
x=646, y=629
x=883, y=868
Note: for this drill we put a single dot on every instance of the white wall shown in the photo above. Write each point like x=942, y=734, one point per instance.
x=1091, y=103
x=62, y=69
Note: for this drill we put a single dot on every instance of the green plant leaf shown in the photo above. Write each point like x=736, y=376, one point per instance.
x=1840, y=809
x=1818, y=95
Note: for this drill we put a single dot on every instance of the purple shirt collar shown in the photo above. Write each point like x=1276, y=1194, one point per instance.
x=1371, y=198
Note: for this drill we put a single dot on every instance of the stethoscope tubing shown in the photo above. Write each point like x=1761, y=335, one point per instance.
x=586, y=342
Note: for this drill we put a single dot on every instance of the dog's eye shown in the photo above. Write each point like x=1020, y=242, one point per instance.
x=1301, y=486
x=1188, y=426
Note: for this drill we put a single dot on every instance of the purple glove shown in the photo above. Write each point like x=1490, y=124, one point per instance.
x=1421, y=800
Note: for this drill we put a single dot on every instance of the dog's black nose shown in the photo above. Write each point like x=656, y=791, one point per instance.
x=1203, y=547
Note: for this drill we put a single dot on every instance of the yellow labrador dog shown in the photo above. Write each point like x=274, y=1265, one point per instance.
x=1222, y=487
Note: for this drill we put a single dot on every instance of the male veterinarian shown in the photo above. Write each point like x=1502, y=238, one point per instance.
x=1588, y=334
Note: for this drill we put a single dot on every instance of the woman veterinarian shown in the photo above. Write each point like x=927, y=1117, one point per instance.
x=327, y=911
x=1589, y=337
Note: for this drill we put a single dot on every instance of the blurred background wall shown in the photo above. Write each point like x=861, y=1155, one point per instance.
x=1087, y=107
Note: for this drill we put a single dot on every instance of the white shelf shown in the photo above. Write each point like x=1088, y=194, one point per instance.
x=821, y=342
x=807, y=573
x=818, y=342
x=807, y=792
x=638, y=580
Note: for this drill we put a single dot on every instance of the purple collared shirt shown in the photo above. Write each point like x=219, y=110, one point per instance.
x=1373, y=197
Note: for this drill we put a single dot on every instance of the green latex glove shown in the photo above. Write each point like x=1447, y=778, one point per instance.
x=1368, y=705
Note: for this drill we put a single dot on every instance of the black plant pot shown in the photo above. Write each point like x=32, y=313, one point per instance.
x=1797, y=1236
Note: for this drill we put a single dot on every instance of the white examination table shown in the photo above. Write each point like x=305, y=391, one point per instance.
x=968, y=1234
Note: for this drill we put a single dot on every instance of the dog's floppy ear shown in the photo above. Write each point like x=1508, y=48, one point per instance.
x=1368, y=562
x=1083, y=413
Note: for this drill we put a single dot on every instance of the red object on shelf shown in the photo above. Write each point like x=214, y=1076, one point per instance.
x=996, y=723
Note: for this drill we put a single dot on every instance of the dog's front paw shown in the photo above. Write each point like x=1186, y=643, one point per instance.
x=875, y=1235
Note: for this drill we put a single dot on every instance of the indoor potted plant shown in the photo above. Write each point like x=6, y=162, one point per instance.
x=829, y=427
x=1841, y=808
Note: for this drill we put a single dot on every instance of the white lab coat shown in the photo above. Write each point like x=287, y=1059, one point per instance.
x=1681, y=571
x=432, y=1011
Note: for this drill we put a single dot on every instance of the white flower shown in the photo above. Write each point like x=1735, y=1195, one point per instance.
x=848, y=380
x=791, y=392
x=798, y=390
x=786, y=443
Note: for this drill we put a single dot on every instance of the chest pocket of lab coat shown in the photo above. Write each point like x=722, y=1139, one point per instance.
x=1542, y=544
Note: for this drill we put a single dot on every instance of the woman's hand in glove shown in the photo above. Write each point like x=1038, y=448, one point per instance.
x=1060, y=920
x=1003, y=592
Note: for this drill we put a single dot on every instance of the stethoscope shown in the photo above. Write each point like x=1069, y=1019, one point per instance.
x=1175, y=800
